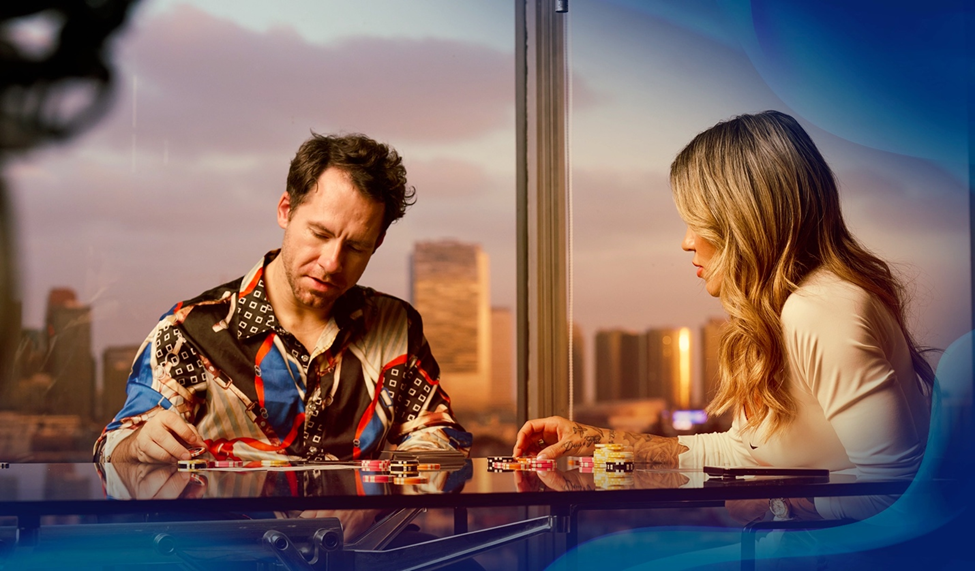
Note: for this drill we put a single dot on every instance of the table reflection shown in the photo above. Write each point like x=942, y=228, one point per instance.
x=133, y=481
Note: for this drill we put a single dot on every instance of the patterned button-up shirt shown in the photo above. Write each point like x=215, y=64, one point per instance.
x=254, y=392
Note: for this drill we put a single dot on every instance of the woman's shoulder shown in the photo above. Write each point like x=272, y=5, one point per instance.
x=825, y=298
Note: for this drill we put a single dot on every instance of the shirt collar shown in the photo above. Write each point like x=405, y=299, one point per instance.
x=255, y=315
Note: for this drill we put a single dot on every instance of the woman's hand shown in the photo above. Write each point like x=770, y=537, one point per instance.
x=549, y=438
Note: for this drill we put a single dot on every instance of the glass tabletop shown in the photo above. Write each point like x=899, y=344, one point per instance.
x=117, y=488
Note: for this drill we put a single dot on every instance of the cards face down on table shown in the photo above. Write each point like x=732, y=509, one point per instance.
x=448, y=459
x=740, y=473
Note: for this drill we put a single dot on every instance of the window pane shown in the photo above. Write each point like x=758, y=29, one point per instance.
x=649, y=76
x=174, y=191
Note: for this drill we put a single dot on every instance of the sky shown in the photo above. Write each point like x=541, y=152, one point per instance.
x=175, y=190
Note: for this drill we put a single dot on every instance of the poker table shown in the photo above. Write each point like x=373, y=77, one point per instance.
x=196, y=510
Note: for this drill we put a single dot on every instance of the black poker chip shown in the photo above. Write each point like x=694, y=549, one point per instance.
x=619, y=466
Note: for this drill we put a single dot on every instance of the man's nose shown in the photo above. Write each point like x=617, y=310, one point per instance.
x=330, y=258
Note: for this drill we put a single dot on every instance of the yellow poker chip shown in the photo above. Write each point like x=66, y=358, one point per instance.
x=412, y=480
x=191, y=465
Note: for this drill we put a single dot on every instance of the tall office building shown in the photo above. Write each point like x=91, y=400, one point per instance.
x=652, y=364
x=618, y=368
x=668, y=365
x=710, y=343
x=69, y=359
x=29, y=382
x=502, y=393
x=116, y=364
x=450, y=290
x=580, y=388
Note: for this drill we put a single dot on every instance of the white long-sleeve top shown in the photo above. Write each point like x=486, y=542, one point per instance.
x=860, y=404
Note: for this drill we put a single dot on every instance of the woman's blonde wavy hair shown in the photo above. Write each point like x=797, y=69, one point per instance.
x=757, y=188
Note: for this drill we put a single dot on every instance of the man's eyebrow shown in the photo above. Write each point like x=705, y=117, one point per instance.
x=320, y=229
x=317, y=227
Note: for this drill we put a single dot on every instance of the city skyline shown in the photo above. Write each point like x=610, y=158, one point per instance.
x=496, y=388
x=174, y=190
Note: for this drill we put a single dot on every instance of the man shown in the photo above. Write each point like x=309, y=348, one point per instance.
x=294, y=360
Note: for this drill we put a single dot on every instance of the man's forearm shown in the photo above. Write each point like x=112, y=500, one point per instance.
x=656, y=451
x=123, y=451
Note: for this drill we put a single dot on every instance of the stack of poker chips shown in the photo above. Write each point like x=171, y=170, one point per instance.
x=611, y=466
x=197, y=464
x=400, y=472
x=512, y=464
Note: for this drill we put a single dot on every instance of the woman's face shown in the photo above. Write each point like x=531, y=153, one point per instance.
x=703, y=252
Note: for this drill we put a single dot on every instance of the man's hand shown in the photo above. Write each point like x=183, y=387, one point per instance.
x=556, y=436
x=159, y=481
x=163, y=439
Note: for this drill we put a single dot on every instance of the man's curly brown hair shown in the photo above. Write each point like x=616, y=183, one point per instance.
x=376, y=170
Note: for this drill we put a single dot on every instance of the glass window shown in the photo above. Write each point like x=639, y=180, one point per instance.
x=648, y=76
x=174, y=190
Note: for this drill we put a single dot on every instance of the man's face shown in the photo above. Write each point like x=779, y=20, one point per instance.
x=328, y=239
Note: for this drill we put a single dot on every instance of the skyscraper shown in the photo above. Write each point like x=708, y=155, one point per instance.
x=580, y=388
x=69, y=359
x=618, y=368
x=502, y=357
x=116, y=364
x=669, y=365
x=710, y=343
x=450, y=290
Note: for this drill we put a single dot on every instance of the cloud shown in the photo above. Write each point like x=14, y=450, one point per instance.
x=203, y=83
x=448, y=178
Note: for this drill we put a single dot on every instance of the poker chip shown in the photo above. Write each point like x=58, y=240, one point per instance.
x=609, y=481
x=404, y=464
x=403, y=470
x=191, y=464
x=374, y=465
x=619, y=466
x=428, y=467
x=411, y=480
x=493, y=459
x=225, y=464
x=610, y=447
x=377, y=478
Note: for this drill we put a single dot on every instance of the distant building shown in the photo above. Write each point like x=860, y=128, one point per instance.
x=450, y=289
x=580, y=387
x=710, y=343
x=116, y=365
x=69, y=359
x=502, y=357
x=655, y=364
x=618, y=367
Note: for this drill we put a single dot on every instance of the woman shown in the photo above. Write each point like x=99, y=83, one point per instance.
x=817, y=365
